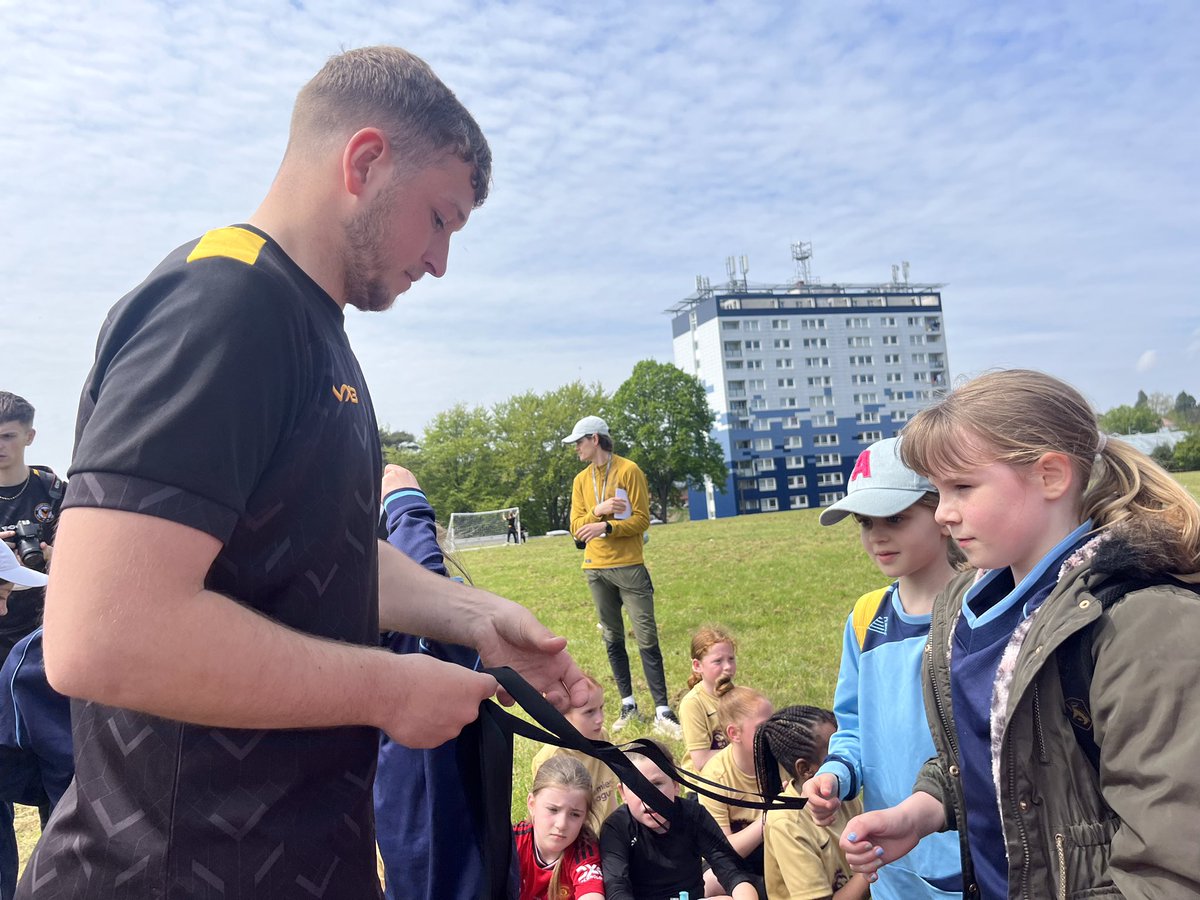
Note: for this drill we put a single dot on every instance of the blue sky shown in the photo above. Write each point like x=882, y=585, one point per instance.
x=1040, y=159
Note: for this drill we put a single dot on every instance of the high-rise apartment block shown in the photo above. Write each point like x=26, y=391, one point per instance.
x=803, y=376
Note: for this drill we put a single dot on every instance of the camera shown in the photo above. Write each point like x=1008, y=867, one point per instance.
x=27, y=541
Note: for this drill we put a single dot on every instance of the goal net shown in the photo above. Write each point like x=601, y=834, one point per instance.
x=482, y=529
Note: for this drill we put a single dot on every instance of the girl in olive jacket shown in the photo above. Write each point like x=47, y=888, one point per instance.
x=1050, y=510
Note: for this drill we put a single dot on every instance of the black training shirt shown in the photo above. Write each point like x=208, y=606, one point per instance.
x=225, y=396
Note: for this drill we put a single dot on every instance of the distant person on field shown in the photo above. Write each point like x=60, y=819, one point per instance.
x=511, y=519
x=714, y=663
x=588, y=721
x=741, y=711
x=883, y=738
x=802, y=859
x=610, y=513
x=647, y=858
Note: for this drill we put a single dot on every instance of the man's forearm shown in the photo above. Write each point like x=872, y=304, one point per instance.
x=417, y=601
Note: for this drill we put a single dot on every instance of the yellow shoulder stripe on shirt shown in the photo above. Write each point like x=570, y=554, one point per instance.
x=233, y=243
x=864, y=613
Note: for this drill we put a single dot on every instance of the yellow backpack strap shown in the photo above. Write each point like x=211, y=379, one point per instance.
x=864, y=613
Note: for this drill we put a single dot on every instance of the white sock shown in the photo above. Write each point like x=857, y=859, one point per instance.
x=659, y=710
x=628, y=701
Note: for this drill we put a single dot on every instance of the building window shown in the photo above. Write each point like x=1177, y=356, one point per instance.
x=765, y=465
x=794, y=462
x=754, y=364
x=791, y=422
x=783, y=363
x=751, y=325
x=890, y=340
x=783, y=343
x=793, y=442
x=762, y=424
x=799, y=501
x=781, y=324
x=916, y=320
x=730, y=325
x=887, y=321
x=870, y=397
x=862, y=379
x=817, y=362
x=829, y=459
x=818, y=401
x=752, y=345
x=869, y=437
x=858, y=322
x=758, y=404
x=732, y=364
x=891, y=359
x=787, y=403
x=825, y=440
x=916, y=339
x=758, y=384
x=733, y=348
x=825, y=499
x=786, y=383
x=829, y=419
x=750, y=505
x=920, y=377
x=763, y=444
x=900, y=415
x=862, y=360
x=770, y=504
x=894, y=377
x=920, y=359
x=797, y=482
x=766, y=484
x=820, y=381
x=867, y=418
x=828, y=479
x=812, y=324
x=858, y=341
x=815, y=342
x=741, y=445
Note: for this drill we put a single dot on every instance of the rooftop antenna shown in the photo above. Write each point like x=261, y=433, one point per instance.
x=731, y=271
x=801, y=254
x=904, y=266
x=895, y=274
x=745, y=261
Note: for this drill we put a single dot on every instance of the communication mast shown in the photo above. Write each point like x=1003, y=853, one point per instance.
x=801, y=255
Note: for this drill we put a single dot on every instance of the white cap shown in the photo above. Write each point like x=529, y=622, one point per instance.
x=12, y=570
x=880, y=485
x=585, y=426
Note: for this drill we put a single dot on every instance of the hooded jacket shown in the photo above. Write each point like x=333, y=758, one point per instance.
x=1133, y=829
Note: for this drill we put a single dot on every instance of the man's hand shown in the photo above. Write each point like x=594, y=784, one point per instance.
x=591, y=530
x=6, y=588
x=821, y=791
x=437, y=699
x=613, y=506
x=7, y=537
x=47, y=552
x=518, y=640
x=397, y=478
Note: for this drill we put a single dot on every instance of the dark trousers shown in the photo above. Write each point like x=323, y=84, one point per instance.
x=630, y=587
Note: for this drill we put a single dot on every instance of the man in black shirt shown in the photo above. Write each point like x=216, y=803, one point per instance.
x=218, y=591
x=30, y=494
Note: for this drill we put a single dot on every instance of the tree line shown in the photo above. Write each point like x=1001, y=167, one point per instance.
x=473, y=458
x=1149, y=413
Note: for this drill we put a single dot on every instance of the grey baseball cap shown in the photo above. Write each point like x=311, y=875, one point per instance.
x=880, y=485
x=586, y=425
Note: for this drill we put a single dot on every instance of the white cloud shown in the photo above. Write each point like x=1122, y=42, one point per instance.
x=1147, y=361
x=1037, y=159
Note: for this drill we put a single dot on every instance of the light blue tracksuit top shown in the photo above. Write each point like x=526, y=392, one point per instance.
x=883, y=739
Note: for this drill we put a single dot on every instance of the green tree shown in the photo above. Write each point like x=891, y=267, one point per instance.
x=1129, y=420
x=1142, y=400
x=660, y=418
x=1187, y=453
x=397, y=445
x=534, y=466
x=1164, y=455
x=1185, y=412
x=457, y=462
x=1161, y=403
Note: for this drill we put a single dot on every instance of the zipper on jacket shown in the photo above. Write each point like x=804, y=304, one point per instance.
x=937, y=701
x=1012, y=792
x=1062, y=867
x=1037, y=725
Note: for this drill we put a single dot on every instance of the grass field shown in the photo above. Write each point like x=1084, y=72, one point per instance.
x=779, y=581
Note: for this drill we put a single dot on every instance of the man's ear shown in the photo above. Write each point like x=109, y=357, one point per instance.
x=1054, y=473
x=364, y=160
x=32, y=434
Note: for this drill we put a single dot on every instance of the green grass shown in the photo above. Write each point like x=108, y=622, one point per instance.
x=779, y=581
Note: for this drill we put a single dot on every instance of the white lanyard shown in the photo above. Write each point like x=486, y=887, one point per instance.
x=598, y=492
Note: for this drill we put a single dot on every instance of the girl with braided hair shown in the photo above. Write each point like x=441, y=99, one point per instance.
x=714, y=663
x=802, y=860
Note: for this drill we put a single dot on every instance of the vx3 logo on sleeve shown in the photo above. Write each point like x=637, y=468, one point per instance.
x=346, y=394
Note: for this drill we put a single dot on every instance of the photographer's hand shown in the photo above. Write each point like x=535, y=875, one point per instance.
x=7, y=537
x=591, y=530
x=47, y=552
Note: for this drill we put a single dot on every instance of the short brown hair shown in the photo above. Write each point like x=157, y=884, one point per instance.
x=397, y=92
x=15, y=409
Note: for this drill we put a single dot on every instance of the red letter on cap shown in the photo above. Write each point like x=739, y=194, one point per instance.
x=862, y=466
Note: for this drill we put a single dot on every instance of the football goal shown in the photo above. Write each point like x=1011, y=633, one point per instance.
x=482, y=529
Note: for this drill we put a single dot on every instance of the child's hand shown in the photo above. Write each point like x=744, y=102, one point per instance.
x=885, y=835
x=821, y=791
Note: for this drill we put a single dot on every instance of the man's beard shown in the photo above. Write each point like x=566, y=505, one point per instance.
x=361, y=263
